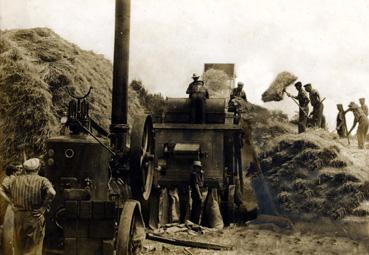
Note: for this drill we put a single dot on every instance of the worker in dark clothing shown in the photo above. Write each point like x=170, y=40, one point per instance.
x=317, y=104
x=29, y=195
x=198, y=95
x=236, y=98
x=12, y=170
x=197, y=182
x=192, y=87
x=341, y=125
x=303, y=102
x=238, y=92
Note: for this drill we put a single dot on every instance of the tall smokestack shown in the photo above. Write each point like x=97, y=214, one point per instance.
x=119, y=124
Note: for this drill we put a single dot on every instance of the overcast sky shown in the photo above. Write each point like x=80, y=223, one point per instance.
x=324, y=42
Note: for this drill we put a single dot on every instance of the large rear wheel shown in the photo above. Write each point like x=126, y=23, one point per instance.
x=141, y=157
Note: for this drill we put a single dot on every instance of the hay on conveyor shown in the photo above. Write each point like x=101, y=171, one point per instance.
x=36, y=68
x=278, y=86
x=217, y=83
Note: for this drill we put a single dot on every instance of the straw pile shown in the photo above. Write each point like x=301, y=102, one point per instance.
x=36, y=68
x=312, y=176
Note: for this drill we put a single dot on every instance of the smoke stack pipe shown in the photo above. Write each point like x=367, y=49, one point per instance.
x=119, y=124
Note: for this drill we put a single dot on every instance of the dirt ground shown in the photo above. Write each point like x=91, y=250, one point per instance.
x=263, y=240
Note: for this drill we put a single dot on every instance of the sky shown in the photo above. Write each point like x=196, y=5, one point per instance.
x=323, y=42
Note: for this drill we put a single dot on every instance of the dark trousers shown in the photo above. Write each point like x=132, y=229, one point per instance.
x=342, y=130
x=29, y=233
x=196, y=209
x=184, y=199
x=303, y=119
x=198, y=109
x=317, y=118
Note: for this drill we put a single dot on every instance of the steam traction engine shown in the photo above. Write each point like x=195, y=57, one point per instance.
x=94, y=211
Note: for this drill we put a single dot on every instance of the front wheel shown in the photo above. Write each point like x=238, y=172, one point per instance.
x=131, y=229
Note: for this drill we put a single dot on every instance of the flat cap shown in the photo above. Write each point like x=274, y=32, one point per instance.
x=197, y=163
x=195, y=75
x=298, y=84
x=307, y=85
x=352, y=105
x=32, y=164
x=240, y=83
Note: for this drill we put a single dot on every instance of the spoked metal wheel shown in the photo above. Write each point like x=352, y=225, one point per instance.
x=141, y=157
x=131, y=230
x=150, y=209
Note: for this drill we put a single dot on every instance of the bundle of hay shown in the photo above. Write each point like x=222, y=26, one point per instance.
x=278, y=86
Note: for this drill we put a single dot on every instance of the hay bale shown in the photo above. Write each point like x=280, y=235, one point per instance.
x=278, y=86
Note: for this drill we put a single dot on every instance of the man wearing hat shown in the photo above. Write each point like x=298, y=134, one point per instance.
x=30, y=195
x=363, y=106
x=238, y=92
x=359, y=117
x=317, y=104
x=303, y=106
x=197, y=182
x=198, y=95
x=194, y=85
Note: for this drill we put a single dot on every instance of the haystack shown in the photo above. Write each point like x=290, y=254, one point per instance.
x=312, y=175
x=36, y=68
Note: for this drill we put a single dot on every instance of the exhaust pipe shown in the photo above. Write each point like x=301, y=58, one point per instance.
x=119, y=124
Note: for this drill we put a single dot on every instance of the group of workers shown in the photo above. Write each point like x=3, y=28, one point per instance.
x=29, y=196
x=306, y=95
x=198, y=94
x=316, y=117
x=360, y=113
